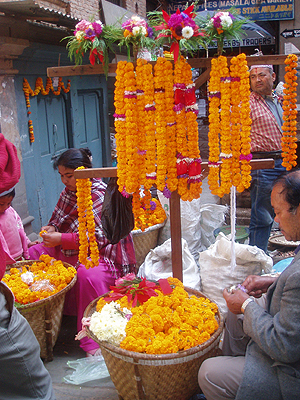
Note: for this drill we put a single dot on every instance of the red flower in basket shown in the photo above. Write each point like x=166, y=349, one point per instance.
x=137, y=290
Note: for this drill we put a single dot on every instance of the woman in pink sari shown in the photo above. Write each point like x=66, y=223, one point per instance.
x=61, y=241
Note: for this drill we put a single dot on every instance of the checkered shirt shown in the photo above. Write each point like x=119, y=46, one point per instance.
x=65, y=220
x=265, y=132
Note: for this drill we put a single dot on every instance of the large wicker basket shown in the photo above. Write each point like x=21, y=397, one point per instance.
x=45, y=316
x=144, y=241
x=139, y=376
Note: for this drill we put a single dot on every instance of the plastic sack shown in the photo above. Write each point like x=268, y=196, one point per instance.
x=87, y=369
x=198, y=222
x=158, y=265
x=116, y=217
x=215, y=267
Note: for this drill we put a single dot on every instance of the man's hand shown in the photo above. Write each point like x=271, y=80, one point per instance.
x=235, y=300
x=52, y=239
x=256, y=285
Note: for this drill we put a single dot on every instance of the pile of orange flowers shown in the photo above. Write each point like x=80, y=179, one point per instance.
x=39, y=88
x=86, y=228
x=40, y=280
x=167, y=323
x=289, y=128
x=229, y=125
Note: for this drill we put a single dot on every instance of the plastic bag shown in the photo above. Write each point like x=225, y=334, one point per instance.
x=215, y=267
x=87, y=369
x=116, y=217
x=158, y=265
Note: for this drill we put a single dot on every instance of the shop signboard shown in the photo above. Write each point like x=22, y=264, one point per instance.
x=257, y=10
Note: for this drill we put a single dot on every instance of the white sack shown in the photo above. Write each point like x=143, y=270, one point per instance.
x=197, y=223
x=158, y=265
x=215, y=267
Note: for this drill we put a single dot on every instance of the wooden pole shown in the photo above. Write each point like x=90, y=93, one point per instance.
x=175, y=225
x=97, y=69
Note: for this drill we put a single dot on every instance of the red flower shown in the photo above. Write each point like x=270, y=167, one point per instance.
x=136, y=289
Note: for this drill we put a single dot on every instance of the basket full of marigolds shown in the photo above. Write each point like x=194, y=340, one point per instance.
x=40, y=287
x=154, y=336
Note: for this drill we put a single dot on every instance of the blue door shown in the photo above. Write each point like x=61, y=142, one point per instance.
x=76, y=119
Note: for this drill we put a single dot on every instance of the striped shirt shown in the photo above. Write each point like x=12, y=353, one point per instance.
x=65, y=220
x=266, y=133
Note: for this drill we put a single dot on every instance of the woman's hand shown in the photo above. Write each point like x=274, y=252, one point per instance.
x=256, y=285
x=52, y=239
x=48, y=228
x=33, y=243
x=235, y=300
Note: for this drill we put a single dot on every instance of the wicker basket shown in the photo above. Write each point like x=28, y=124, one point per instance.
x=144, y=241
x=139, y=376
x=45, y=316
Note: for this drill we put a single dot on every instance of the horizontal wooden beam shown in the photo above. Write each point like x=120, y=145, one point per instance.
x=97, y=69
x=95, y=173
x=108, y=172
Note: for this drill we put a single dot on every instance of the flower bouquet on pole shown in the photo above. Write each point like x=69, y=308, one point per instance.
x=90, y=37
x=134, y=33
x=223, y=25
x=179, y=31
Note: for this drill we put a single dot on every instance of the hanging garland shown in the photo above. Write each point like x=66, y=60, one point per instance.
x=86, y=228
x=156, y=132
x=39, y=88
x=289, y=128
x=229, y=126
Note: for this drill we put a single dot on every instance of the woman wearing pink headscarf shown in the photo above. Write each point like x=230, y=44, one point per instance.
x=22, y=372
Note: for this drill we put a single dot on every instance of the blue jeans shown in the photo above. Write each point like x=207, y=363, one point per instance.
x=262, y=214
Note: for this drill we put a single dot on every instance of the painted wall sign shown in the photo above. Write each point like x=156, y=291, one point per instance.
x=258, y=10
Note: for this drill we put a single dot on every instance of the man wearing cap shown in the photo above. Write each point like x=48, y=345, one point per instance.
x=266, y=133
x=22, y=372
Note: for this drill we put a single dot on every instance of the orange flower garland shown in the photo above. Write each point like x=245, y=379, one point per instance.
x=172, y=181
x=214, y=127
x=86, y=229
x=244, y=90
x=240, y=123
x=39, y=87
x=155, y=134
x=229, y=118
x=120, y=123
x=149, y=125
x=288, y=141
x=130, y=96
x=181, y=134
x=160, y=121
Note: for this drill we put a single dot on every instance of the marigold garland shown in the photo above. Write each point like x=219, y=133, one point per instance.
x=230, y=125
x=120, y=123
x=48, y=276
x=160, y=121
x=86, y=228
x=39, y=88
x=156, y=130
x=289, y=128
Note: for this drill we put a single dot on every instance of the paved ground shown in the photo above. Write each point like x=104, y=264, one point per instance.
x=67, y=349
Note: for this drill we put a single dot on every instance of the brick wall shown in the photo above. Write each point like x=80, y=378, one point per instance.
x=136, y=7
x=88, y=9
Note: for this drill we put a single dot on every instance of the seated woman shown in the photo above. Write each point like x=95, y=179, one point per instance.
x=61, y=241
